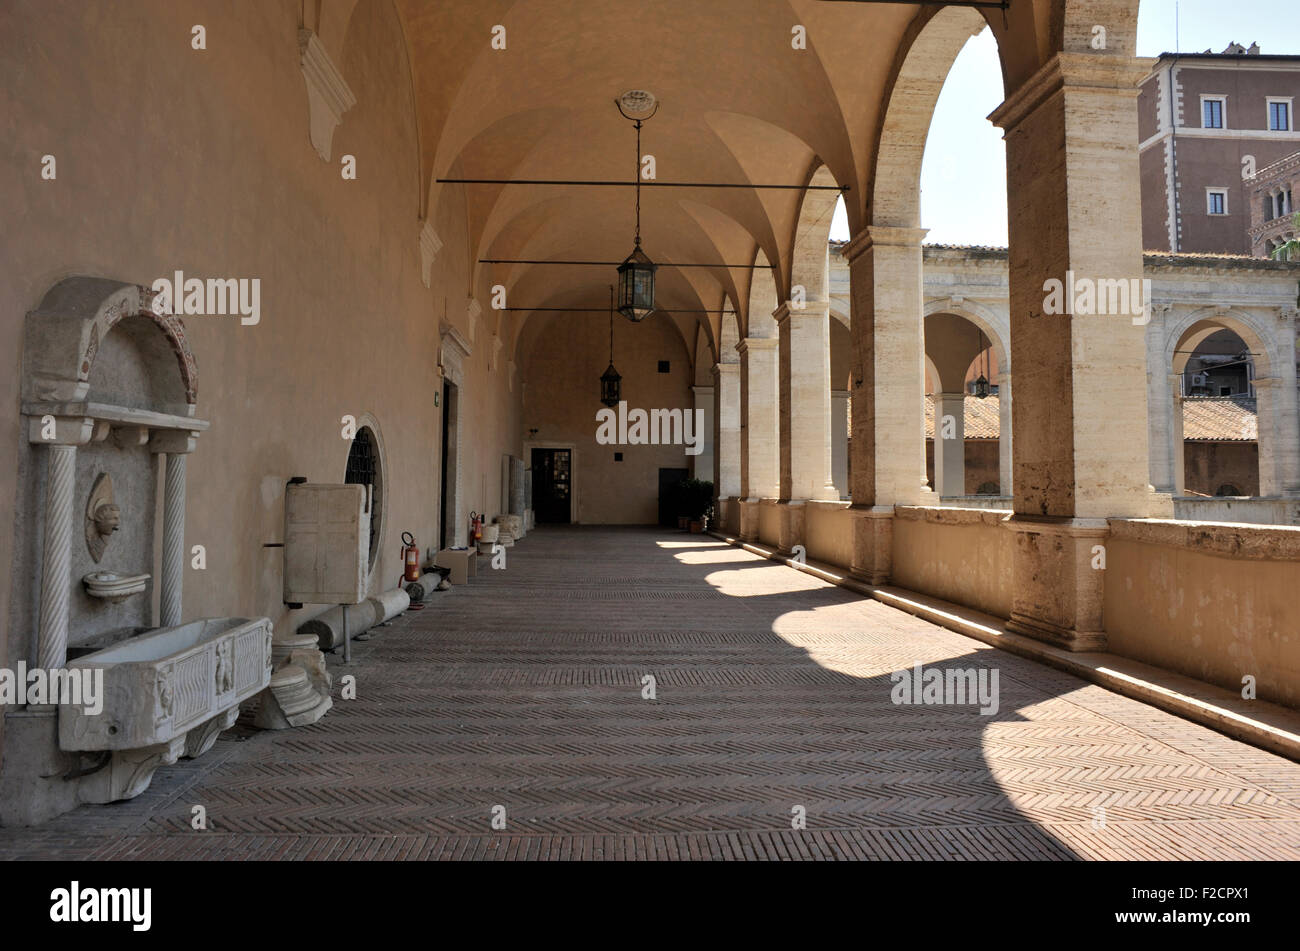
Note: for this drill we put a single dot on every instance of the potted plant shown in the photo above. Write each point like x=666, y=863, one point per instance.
x=696, y=502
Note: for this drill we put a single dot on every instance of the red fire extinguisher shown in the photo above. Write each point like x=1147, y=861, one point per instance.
x=475, y=526
x=410, y=557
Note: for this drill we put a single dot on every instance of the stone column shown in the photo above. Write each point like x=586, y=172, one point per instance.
x=1074, y=208
x=726, y=442
x=702, y=465
x=173, y=447
x=888, y=390
x=173, y=552
x=1166, y=425
x=1276, y=407
x=56, y=557
x=950, y=444
x=805, y=408
x=840, y=441
x=1005, y=485
x=759, y=422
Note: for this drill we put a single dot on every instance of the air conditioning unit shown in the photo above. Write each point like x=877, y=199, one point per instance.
x=1200, y=379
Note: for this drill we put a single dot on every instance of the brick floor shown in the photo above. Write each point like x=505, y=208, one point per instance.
x=523, y=690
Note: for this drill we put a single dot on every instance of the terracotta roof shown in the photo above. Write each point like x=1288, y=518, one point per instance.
x=981, y=417
x=1218, y=418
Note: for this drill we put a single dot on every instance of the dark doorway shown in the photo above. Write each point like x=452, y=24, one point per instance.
x=442, y=493
x=552, y=486
x=667, y=479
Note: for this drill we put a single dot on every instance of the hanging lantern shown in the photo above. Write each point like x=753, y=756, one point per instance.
x=982, y=381
x=611, y=384
x=636, y=275
x=636, y=285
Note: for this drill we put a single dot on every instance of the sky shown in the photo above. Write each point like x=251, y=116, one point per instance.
x=963, y=175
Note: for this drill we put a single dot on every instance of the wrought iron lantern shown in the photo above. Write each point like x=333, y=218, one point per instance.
x=610, y=382
x=982, y=381
x=636, y=275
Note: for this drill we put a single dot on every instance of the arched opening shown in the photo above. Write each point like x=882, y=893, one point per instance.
x=963, y=407
x=1218, y=409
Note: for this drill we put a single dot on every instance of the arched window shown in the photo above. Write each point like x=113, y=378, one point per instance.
x=365, y=467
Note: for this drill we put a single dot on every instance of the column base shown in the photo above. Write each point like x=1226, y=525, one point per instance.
x=873, y=539
x=1058, y=593
x=793, y=513
x=749, y=519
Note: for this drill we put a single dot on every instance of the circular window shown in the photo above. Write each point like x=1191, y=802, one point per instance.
x=366, y=467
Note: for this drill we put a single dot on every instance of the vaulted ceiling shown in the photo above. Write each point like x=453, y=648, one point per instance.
x=739, y=103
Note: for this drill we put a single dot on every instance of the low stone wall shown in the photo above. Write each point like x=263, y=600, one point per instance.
x=769, y=523
x=828, y=532
x=963, y=555
x=1213, y=601
x=1247, y=511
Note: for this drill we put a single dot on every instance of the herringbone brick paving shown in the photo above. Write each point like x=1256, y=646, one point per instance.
x=524, y=690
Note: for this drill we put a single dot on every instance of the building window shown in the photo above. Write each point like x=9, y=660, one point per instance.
x=1213, y=109
x=1216, y=201
x=1279, y=115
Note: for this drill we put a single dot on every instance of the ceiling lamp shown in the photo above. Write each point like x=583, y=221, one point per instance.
x=636, y=275
x=610, y=381
x=982, y=382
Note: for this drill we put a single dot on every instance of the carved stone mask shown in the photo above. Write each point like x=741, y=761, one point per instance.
x=107, y=519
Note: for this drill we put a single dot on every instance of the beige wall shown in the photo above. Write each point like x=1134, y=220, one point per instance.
x=172, y=158
x=960, y=555
x=1215, y=602
x=565, y=356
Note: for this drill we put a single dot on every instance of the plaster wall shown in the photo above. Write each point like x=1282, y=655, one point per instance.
x=213, y=172
x=960, y=555
x=1212, y=601
x=561, y=374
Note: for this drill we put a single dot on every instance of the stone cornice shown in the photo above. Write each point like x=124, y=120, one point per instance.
x=883, y=236
x=1118, y=74
x=327, y=91
x=757, y=343
x=430, y=245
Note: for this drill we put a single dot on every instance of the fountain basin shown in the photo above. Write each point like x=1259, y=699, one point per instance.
x=160, y=686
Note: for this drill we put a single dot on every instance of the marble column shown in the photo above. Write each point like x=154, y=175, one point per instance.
x=759, y=425
x=726, y=428
x=950, y=444
x=173, y=446
x=840, y=442
x=702, y=465
x=1005, y=484
x=56, y=556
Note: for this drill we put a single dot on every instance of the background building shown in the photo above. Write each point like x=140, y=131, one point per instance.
x=1207, y=123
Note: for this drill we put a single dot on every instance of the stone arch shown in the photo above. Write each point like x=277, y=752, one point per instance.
x=1196, y=326
x=810, y=254
x=918, y=78
x=65, y=332
x=729, y=337
x=995, y=327
x=762, y=299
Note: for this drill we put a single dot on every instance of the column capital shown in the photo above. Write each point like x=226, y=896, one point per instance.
x=68, y=430
x=725, y=369
x=172, y=441
x=812, y=308
x=882, y=236
x=1096, y=72
x=701, y=390
x=757, y=343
